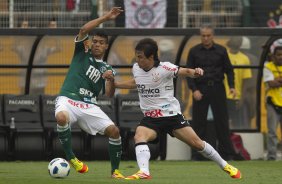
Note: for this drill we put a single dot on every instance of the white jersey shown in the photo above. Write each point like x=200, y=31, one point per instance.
x=156, y=90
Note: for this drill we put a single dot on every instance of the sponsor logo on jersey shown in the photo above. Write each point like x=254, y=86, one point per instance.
x=79, y=104
x=165, y=106
x=91, y=100
x=85, y=92
x=93, y=74
x=154, y=113
x=148, y=92
x=169, y=88
x=103, y=69
x=169, y=68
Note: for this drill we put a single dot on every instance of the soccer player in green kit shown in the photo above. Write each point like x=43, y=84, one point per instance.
x=88, y=75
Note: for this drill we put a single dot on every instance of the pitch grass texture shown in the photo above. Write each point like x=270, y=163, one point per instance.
x=163, y=172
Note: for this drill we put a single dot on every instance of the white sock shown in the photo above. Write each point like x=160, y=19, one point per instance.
x=63, y=128
x=210, y=153
x=143, y=156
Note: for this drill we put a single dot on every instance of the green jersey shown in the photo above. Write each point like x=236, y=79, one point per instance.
x=84, y=80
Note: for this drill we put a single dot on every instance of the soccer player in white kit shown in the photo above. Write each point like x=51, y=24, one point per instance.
x=154, y=82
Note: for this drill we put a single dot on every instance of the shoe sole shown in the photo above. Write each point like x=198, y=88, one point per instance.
x=84, y=169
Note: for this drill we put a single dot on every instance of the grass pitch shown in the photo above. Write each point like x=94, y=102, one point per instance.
x=163, y=172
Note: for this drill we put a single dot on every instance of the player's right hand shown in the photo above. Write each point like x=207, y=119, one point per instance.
x=113, y=13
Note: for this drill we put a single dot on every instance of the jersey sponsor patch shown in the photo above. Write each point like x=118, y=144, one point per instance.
x=103, y=69
x=154, y=113
x=169, y=68
x=79, y=104
x=93, y=74
x=168, y=87
x=148, y=92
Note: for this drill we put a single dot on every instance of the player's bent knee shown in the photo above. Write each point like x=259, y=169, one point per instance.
x=112, y=131
x=61, y=118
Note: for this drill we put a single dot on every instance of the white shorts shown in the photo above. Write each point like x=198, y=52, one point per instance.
x=89, y=117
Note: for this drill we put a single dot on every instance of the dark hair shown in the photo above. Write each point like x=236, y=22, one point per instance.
x=101, y=34
x=276, y=49
x=149, y=47
x=53, y=19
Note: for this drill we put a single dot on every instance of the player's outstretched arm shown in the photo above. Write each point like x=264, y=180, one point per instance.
x=130, y=84
x=189, y=72
x=89, y=26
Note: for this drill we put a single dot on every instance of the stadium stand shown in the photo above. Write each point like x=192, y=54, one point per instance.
x=26, y=138
x=4, y=134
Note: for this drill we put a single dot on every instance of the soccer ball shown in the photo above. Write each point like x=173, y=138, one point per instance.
x=59, y=168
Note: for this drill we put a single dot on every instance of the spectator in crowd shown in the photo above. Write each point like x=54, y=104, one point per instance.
x=272, y=76
x=25, y=24
x=52, y=23
x=209, y=90
x=234, y=104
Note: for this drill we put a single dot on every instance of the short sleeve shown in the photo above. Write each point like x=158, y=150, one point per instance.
x=171, y=69
x=81, y=45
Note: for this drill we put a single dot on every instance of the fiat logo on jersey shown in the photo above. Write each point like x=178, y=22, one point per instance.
x=155, y=77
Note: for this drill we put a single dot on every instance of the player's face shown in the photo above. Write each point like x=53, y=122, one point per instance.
x=278, y=57
x=144, y=62
x=99, y=46
x=207, y=37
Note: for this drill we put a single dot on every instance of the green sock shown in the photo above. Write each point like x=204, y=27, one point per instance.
x=115, y=152
x=64, y=134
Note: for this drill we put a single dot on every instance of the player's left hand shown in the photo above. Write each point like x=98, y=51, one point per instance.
x=108, y=75
x=198, y=72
